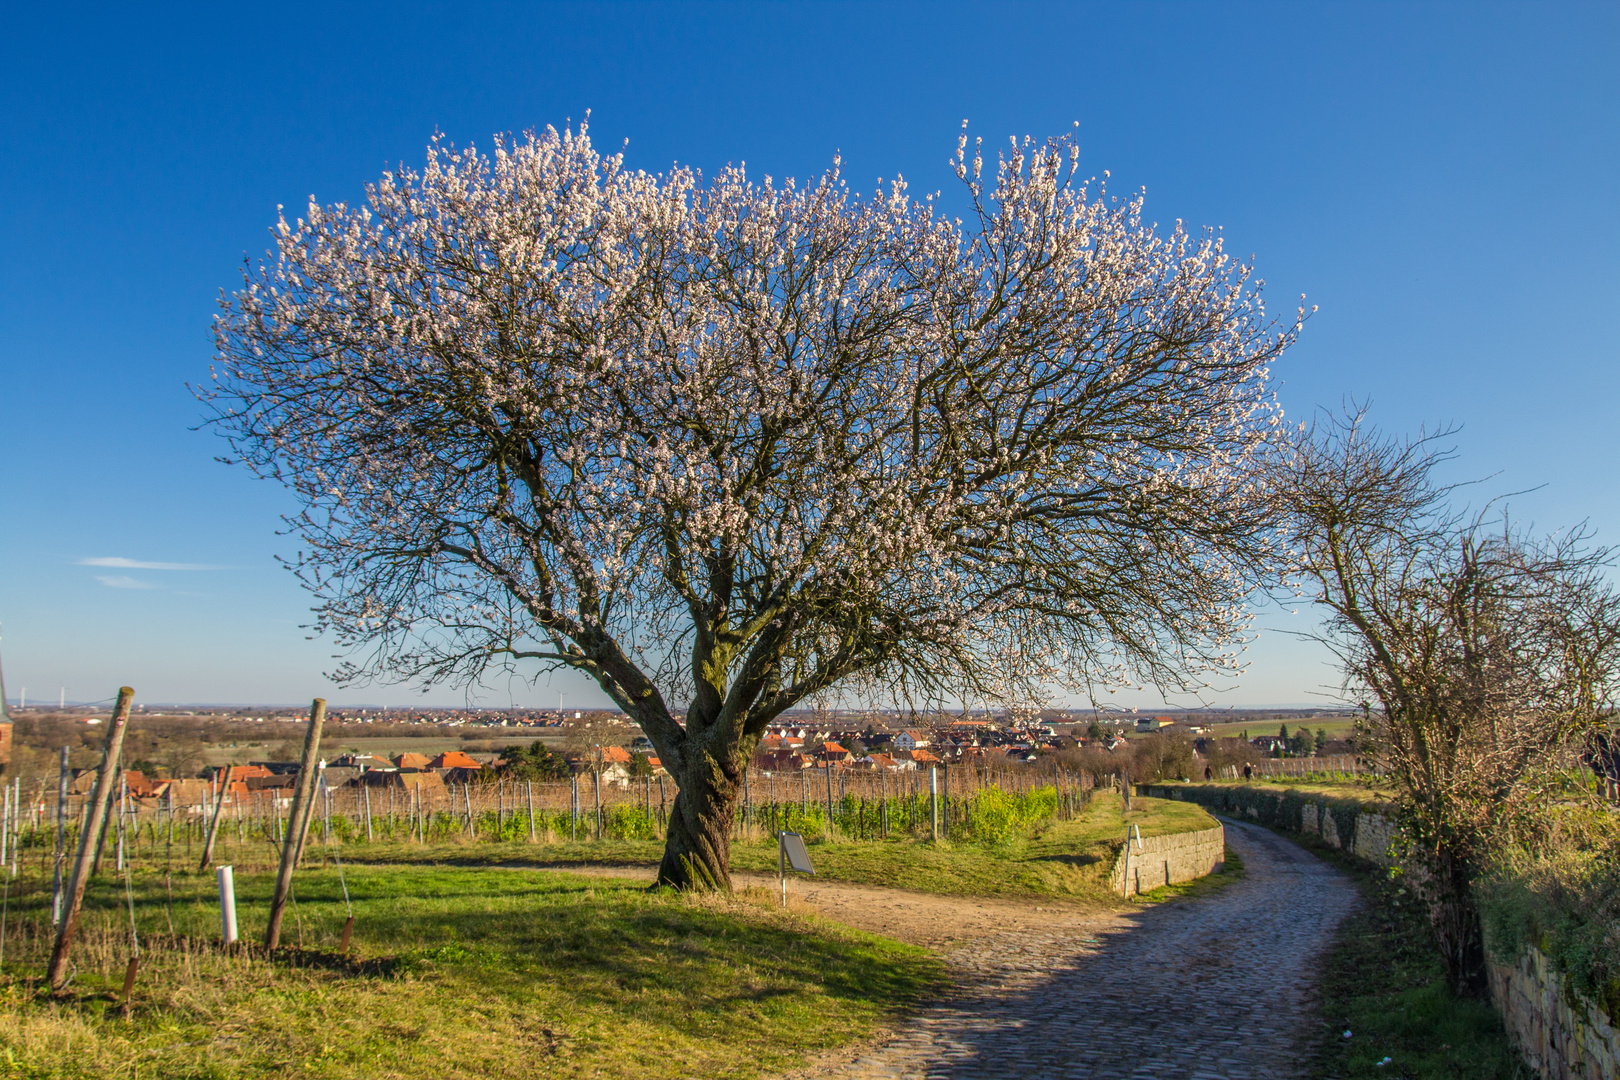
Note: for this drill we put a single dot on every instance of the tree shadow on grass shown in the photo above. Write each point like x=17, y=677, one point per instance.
x=1076, y=861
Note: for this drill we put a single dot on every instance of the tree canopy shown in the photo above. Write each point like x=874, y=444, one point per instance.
x=534, y=762
x=724, y=445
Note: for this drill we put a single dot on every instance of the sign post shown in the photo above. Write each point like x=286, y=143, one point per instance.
x=791, y=854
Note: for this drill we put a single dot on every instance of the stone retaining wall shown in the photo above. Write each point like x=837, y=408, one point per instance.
x=1145, y=865
x=1561, y=1035
x=1340, y=823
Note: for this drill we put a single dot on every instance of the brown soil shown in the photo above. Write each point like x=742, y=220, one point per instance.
x=936, y=922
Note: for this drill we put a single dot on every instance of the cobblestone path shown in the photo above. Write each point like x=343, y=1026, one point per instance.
x=1217, y=987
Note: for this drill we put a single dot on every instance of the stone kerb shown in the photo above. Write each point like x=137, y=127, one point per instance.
x=1168, y=860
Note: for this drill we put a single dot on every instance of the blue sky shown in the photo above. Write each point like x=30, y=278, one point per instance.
x=1440, y=179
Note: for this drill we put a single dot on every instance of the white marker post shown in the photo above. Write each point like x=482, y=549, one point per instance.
x=1125, y=887
x=933, y=801
x=790, y=852
x=227, y=904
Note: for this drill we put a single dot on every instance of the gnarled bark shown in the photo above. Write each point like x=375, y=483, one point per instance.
x=697, y=849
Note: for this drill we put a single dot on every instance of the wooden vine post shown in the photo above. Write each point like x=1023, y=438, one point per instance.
x=303, y=803
x=106, y=780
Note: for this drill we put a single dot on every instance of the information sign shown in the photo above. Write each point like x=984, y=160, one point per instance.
x=797, y=857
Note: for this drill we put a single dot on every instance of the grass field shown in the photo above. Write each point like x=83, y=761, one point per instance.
x=1336, y=728
x=1369, y=793
x=1366, y=790
x=459, y=972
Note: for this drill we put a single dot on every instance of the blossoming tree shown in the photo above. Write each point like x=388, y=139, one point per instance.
x=725, y=445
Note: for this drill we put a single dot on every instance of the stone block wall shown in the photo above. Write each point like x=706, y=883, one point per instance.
x=1374, y=835
x=1340, y=823
x=1168, y=860
x=1561, y=1035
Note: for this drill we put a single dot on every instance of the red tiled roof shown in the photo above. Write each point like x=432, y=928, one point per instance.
x=455, y=759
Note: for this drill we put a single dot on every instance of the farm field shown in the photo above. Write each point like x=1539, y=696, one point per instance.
x=1336, y=727
x=1062, y=859
x=1362, y=791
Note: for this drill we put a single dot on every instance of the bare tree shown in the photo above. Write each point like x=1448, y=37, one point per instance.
x=733, y=444
x=1490, y=655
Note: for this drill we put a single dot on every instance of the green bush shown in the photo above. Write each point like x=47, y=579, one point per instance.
x=995, y=816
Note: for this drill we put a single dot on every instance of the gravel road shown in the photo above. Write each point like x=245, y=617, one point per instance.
x=1217, y=987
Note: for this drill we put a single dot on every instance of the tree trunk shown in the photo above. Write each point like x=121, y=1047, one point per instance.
x=1454, y=917
x=697, y=848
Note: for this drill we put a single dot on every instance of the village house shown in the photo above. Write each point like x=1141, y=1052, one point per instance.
x=612, y=763
x=189, y=793
x=455, y=759
x=422, y=782
x=235, y=778
x=336, y=776
x=783, y=760
x=908, y=740
x=832, y=752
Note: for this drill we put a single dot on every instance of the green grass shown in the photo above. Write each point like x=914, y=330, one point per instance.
x=464, y=968
x=461, y=972
x=1062, y=859
x=1383, y=982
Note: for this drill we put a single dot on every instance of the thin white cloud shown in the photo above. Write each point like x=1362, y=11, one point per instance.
x=119, y=563
x=120, y=581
